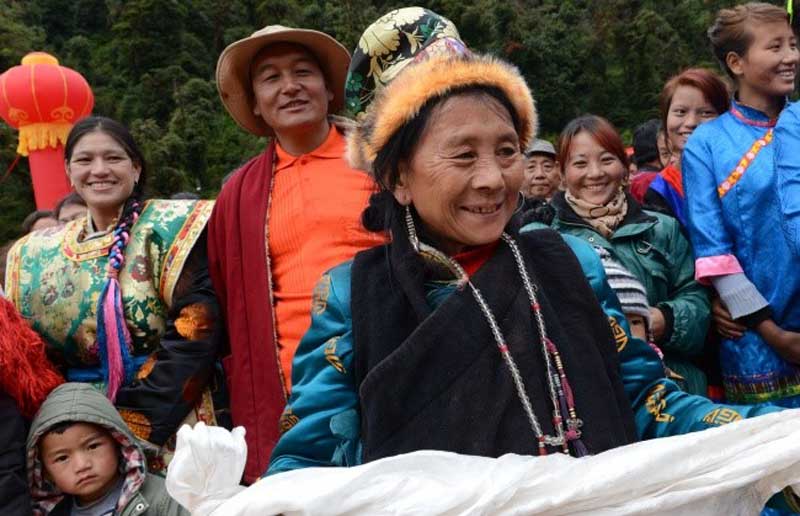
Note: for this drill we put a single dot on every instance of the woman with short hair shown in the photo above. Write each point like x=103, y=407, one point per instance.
x=596, y=208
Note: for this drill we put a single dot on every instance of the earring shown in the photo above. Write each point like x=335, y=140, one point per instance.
x=412, y=230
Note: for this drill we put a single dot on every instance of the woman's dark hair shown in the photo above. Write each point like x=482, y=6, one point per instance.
x=33, y=218
x=71, y=199
x=113, y=338
x=600, y=129
x=401, y=146
x=730, y=31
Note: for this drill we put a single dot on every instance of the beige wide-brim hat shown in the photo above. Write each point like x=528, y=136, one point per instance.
x=233, y=70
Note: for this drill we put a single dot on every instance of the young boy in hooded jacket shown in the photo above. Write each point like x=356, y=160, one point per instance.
x=83, y=460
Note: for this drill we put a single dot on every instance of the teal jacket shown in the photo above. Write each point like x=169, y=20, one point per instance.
x=320, y=425
x=653, y=248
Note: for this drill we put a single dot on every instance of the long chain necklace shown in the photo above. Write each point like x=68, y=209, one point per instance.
x=567, y=429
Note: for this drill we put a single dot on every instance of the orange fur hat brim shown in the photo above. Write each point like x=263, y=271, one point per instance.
x=401, y=100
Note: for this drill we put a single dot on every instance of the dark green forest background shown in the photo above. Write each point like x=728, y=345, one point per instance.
x=151, y=65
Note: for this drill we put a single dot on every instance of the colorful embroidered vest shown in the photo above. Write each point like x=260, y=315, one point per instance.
x=55, y=281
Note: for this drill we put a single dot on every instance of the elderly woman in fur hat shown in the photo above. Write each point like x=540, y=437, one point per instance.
x=463, y=334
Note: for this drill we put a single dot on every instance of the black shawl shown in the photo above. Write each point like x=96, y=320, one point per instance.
x=434, y=379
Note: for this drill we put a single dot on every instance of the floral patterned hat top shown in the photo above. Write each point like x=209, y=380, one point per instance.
x=396, y=39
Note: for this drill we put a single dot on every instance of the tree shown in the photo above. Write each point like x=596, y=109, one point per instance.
x=151, y=65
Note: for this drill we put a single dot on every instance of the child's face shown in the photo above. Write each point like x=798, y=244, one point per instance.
x=82, y=461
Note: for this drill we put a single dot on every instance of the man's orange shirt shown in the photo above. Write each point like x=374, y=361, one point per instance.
x=314, y=224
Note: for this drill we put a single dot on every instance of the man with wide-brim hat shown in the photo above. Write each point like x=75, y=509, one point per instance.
x=283, y=219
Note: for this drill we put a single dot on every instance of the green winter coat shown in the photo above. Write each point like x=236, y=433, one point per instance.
x=651, y=246
x=80, y=402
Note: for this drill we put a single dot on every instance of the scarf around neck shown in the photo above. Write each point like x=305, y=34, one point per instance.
x=602, y=217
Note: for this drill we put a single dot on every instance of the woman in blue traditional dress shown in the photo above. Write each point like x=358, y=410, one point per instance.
x=735, y=217
x=122, y=296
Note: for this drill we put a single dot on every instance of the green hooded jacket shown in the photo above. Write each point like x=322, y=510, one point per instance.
x=651, y=246
x=142, y=493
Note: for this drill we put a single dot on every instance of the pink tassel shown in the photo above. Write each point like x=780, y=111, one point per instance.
x=116, y=371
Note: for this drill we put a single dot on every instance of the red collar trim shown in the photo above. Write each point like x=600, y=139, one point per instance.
x=749, y=121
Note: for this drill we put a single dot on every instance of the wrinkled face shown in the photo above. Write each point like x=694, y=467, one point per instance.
x=102, y=172
x=770, y=64
x=289, y=88
x=71, y=212
x=592, y=173
x=688, y=109
x=465, y=175
x=542, y=176
x=81, y=461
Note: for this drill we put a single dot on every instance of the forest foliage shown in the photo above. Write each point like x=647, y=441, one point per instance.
x=151, y=65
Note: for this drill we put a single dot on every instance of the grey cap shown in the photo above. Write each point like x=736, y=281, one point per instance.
x=540, y=147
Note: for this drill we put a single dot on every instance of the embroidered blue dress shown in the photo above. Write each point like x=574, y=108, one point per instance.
x=734, y=218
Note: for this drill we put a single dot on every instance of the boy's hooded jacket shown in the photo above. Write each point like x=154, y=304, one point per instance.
x=142, y=493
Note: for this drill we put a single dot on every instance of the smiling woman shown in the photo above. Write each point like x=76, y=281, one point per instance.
x=465, y=173
x=463, y=333
x=734, y=205
x=596, y=208
x=122, y=295
x=689, y=99
x=103, y=174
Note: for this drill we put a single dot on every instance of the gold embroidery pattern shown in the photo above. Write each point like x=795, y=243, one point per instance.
x=319, y=299
x=331, y=357
x=744, y=164
x=656, y=403
x=137, y=422
x=13, y=271
x=56, y=283
x=146, y=368
x=619, y=334
x=88, y=250
x=288, y=420
x=183, y=243
x=721, y=416
x=194, y=322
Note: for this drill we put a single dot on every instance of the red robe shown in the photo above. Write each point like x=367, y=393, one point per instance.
x=237, y=259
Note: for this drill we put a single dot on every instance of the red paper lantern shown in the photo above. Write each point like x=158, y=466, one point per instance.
x=43, y=100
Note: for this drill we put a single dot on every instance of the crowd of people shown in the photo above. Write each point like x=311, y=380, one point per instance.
x=424, y=273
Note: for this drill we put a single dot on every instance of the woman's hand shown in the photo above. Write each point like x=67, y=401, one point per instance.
x=657, y=324
x=724, y=323
x=785, y=343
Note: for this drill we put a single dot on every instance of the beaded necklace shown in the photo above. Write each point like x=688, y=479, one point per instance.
x=567, y=429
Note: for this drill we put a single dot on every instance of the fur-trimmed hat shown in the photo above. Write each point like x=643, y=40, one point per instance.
x=402, y=99
x=395, y=40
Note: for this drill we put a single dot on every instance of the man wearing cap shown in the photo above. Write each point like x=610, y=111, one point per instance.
x=542, y=174
x=288, y=215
